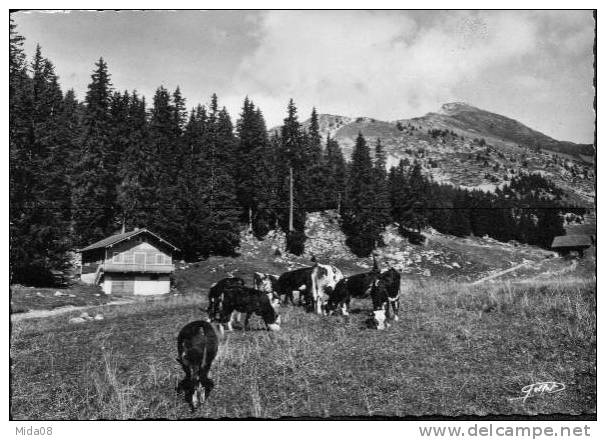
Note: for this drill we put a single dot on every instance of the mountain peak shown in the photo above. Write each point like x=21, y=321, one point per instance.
x=453, y=108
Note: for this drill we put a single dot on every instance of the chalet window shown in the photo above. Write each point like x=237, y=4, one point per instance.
x=159, y=259
x=117, y=258
x=154, y=276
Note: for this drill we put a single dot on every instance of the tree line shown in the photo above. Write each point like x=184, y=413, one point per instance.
x=80, y=171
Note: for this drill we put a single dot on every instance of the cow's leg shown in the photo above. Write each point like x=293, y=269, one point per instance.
x=228, y=318
x=318, y=303
x=395, y=304
x=246, y=320
x=345, y=308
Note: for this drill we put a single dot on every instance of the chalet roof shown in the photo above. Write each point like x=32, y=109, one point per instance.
x=571, y=241
x=114, y=239
x=589, y=229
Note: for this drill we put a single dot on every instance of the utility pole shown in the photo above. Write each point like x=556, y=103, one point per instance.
x=250, y=220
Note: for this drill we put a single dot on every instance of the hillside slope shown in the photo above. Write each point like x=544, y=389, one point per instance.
x=442, y=257
x=472, y=148
x=470, y=120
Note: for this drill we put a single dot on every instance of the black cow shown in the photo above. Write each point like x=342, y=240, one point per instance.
x=267, y=283
x=197, y=347
x=216, y=294
x=385, y=294
x=355, y=286
x=298, y=279
x=243, y=299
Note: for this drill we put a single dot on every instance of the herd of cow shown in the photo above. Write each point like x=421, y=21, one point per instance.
x=320, y=288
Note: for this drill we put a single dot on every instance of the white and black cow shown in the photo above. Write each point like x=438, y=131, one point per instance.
x=385, y=294
x=267, y=283
x=324, y=279
x=355, y=286
x=197, y=347
x=239, y=299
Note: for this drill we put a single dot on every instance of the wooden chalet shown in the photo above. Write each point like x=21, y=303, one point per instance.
x=138, y=262
x=567, y=244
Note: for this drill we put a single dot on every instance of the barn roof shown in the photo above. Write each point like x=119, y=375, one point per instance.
x=571, y=241
x=114, y=239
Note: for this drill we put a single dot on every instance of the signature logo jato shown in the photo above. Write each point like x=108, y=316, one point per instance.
x=539, y=388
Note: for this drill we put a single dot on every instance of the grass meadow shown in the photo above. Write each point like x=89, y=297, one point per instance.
x=457, y=350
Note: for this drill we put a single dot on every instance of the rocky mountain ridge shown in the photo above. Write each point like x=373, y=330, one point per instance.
x=472, y=148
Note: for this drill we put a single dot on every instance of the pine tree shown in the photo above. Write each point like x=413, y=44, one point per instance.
x=193, y=183
x=549, y=226
x=179, y=112
x=254, y=164
x=39, y=190
x=165, y=147
x=223, y=209
x=359, y=222
x=398, y=191
x=94, y=206
x=316, y=183
x=136, y=192
x=292, y=170
x=459, y=217
x=415, y=214
x=336, y=175
x=381, y=205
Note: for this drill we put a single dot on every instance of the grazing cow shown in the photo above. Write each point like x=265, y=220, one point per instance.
x=216, y=294
x=267, y=283
x=197, y=347
x=243, y=299
x=294, y=280
x=385, y=295
x=324, y=278
x=355, y=286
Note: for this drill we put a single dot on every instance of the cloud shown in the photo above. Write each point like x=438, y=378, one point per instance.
x=383, y=64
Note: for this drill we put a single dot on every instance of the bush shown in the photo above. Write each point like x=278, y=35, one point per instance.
x=413, y=237
x=295, y=242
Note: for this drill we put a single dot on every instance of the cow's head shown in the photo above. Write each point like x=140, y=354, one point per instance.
x=196, y=387
x=275, y=326
x=263, y=282
x=270, y=317
x=378, y=319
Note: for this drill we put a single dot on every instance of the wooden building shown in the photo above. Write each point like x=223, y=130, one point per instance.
x=568, y=244
x=138, y=262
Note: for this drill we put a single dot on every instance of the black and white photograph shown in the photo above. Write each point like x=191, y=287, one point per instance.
x=303, y=215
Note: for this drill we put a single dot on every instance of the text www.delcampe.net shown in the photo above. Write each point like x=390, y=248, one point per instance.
x=491, y=430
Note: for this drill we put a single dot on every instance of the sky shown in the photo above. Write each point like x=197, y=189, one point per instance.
x=533, y=66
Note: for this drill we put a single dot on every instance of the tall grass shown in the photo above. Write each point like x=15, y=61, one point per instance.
x=458, y=349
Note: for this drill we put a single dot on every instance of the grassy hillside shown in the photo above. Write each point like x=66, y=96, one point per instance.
x=457, y=350
x=473, y=148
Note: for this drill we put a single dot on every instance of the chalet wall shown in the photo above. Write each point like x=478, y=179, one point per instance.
x=148, y=285
x=138, y=252
x=131, y=284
